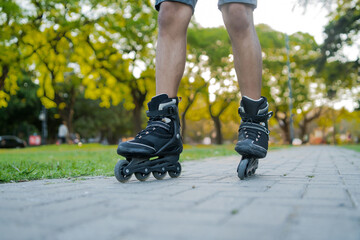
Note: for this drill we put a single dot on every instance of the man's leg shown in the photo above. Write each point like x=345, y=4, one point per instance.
x=253, y=132
x=161, y=138
x=173, y=22
x=238, y=19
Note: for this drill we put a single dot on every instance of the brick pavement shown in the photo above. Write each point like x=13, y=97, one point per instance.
x=308, y=192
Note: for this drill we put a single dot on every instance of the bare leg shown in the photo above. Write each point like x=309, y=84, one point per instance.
x=173, y=21
x=238, y=19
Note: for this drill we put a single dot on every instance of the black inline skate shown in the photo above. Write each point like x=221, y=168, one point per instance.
x=253, y=134
x=157, y=148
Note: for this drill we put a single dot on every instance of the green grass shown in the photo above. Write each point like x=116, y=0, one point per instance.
x=355, y=147
x=68, y=161
x=205, y=151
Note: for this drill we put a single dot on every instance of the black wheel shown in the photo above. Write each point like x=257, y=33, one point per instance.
x=159, y=175
x=119, y=171
x=242, y=168
x=142, y=176
x=175, y=174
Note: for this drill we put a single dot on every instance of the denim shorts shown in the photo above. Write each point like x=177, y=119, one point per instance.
x=192, y=3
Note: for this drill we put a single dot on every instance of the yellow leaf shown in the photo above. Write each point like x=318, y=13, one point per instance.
x=62, y=105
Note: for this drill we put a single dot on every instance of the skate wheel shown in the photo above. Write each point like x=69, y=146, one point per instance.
x=119, y=171
x=242, y=168
x=142, y=176
x=175, y=174
x=159, y=175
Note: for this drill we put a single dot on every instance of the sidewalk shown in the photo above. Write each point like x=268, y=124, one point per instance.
x=297, y=193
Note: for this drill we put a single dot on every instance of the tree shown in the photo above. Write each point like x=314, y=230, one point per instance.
x=306, y=86
x=21, y=116
x=306, y=118
x=104, y=48
x=193, y=83
x=92, y=121
x=342, y=31
x=130, y=32
x=191, y=88
x=23, y=105
x=10, y=67
x=211, y=48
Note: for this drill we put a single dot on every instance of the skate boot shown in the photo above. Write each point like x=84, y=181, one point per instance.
x=253, y=134
x=157, y=148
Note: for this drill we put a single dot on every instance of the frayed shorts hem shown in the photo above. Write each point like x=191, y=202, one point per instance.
x=192, y=3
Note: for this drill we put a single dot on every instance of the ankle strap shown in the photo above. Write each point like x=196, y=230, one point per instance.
x=168, y=111
x=255, y=118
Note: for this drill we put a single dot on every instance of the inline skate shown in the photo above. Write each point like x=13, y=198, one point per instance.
x=253, y=134
x=157, y=148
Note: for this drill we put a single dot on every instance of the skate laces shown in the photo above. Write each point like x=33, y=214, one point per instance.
x=250, y=133
x=152, y=125
x=159, y=119
x=252, y=126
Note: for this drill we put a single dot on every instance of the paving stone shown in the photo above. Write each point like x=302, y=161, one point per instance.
x=309, y=192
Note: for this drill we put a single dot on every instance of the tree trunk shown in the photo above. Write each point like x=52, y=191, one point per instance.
x=303, y=129
x=217, y=124
x=334, y=126
x=183, y=126
x=286, y=131
x=284, y=126
x=308, y=118
x=139, y=99
x=71, y=109
x=5, y=71
x=183, y=118
x=137, y=118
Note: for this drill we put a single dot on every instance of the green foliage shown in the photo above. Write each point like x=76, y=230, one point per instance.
x=306, y=86
x=60, y=35
x=335, y=123
x=102, y=49
x=213, y=42
x=343, y=28
x=91, y=120
x=23, y=105
x=211, y=49
x=341, y=31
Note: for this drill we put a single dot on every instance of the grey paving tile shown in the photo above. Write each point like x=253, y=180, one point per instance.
x=309, y=192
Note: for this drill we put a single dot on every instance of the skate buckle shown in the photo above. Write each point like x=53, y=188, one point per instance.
x=171, y=110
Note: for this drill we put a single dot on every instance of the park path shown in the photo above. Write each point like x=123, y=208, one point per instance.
x=310, y=192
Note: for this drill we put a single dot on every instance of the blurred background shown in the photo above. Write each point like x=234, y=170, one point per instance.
x=90, y=65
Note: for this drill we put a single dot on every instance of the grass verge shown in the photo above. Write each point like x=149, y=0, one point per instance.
x=355, y=147
x=66, y=161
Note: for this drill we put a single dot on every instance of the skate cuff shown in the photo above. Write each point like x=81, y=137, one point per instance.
x=255, y=118
x=167, y=112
